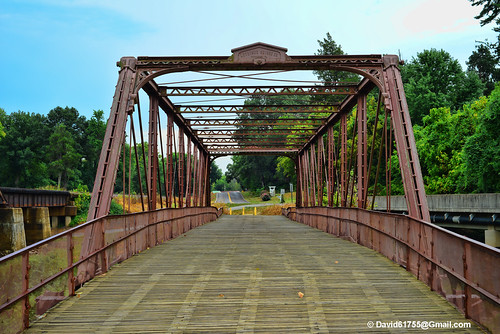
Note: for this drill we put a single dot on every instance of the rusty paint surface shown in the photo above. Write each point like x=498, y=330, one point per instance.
x=465, y=272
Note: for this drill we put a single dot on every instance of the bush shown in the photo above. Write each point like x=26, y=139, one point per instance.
x=265, y=196
x=82, y=203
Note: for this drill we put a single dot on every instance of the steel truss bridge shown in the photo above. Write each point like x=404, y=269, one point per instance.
x=341, y=150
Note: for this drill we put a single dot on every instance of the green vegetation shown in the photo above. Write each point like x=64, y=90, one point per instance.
x=58, y=149
x=434, y=79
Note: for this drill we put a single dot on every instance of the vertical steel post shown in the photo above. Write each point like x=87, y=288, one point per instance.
x=313, y=173
x=343, y=160
x=405, y=141
x=195, y=175
x=189, y=177
x=321, y=152
x=308, y=183
x=362, y=150
x=208, y=199
x=305, y=188
x=170, y=163
x=201, y=178
x=298, y=186
x=330, y=163
x=181, y=167
x=153, y=152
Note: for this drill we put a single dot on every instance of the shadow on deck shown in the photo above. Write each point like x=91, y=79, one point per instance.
x=244, y=274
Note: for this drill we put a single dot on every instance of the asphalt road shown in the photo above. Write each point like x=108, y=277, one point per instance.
x=230, y=197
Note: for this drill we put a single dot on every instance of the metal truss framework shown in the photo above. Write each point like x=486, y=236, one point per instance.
x=330, y=155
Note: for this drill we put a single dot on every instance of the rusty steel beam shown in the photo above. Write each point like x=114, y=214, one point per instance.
x=362, y=151
x=298, y=188
x=249, y=145
x=278, y=151
x=181, y=159
x=151, y=88
x=170, y=163
x=111, y=149
x=213, y=63
x=267, y=132
x=255, y=122
x=257, y=139
x=3, y=201
x=364, y=87
x=318, y=108
x=256, y=90
x=331, y=164
x=189, y=179
x=153, y=152
x=413, y=181
x=23, y=198
x=343, y=160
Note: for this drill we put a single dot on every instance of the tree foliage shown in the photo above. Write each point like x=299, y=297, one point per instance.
x=434, y=80
x=31, y=141
x=485, y=64
x=482, y=149
x=2, y=132
x=23, y=162
x=63, y=156
x=215, y=173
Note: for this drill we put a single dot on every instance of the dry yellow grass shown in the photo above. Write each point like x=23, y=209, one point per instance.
x=273, y=210
x=133, y=203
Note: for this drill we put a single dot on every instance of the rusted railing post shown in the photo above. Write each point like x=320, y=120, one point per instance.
x=71, y=276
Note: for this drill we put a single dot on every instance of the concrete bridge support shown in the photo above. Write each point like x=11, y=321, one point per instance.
x=37, y=224
x=492, y=236
x=12, y=236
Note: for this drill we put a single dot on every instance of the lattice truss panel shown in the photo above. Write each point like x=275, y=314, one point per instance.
x=172, y=116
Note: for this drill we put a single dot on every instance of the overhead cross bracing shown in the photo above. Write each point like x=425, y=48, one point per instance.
x=257, y=101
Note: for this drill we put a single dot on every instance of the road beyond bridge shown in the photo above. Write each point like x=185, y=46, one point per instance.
x=245, y=274
x=230, y=197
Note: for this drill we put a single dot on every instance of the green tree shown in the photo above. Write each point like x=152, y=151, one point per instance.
x=485, y=64
x=23, y=150
x=2, y=132
x=433, y=80
x=489, y=13
x=93, y=135
x=483, y=149
x=64, y=159
x=215, y=173
x=328, y=46
x=255, y=172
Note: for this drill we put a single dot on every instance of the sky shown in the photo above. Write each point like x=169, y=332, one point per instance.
x=64, y=52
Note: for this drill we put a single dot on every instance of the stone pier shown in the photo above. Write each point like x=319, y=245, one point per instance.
x=36, y=224
x=492, y=236
x=12, y=236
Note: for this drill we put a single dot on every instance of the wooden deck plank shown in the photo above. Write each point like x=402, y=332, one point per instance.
x=243, y=275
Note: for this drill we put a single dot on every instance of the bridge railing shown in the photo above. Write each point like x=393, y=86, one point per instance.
x=37, y=277
x=464, y=271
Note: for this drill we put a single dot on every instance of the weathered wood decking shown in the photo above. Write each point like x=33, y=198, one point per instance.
x=244, y=274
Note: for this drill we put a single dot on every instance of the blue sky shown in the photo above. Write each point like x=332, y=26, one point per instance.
x=63, y=53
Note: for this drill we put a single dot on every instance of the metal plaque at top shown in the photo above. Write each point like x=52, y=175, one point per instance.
x=259, y=54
